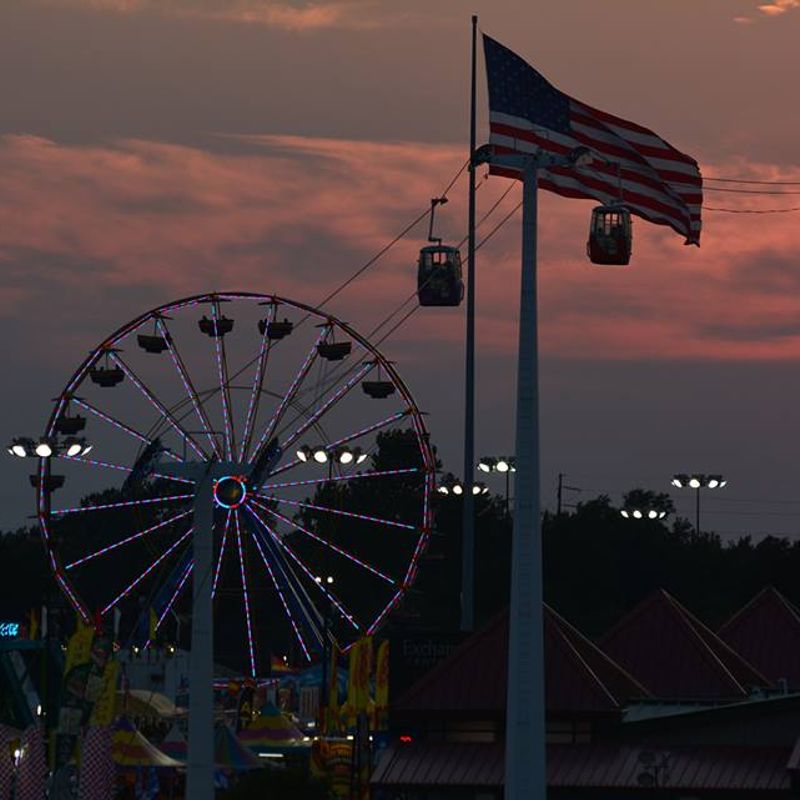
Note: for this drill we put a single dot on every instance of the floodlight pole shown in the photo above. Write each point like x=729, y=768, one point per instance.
x=525, y=776
x=200, y=767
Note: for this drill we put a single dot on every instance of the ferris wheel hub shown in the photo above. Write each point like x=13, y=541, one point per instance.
x=230, y=491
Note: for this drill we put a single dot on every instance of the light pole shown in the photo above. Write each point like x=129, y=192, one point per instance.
x=505, y=465
x=343, y=456
x=456, y=488
x=698, y=481
x=44, y=449
x=643, y=512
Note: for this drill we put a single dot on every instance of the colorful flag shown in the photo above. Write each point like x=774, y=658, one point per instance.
x=644, y=172
x=360, y=669
x=153, y=628
x=382, y=686
x=103, y=711
x=33, y=624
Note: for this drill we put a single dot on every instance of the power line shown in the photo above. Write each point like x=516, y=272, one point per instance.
x=759, y=183
x=752, y=210
x=747, y=191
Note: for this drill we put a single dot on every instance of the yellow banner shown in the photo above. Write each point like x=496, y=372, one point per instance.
x=103, y=712
x=79, y=648
x=382, y=685
x=360, y=669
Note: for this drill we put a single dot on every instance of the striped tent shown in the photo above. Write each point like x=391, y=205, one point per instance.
x=230, y=753
x=131, y=749
x=174, y=744
x=272, y=732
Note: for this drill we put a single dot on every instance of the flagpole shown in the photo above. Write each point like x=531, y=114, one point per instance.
x=468, y=519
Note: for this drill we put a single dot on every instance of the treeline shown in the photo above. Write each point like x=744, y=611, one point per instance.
x=597, y=565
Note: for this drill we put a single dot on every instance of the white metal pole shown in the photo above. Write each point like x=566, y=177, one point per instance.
x=200, y=768
x=525, y=714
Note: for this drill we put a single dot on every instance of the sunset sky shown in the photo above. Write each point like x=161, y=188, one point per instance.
x=152, y=149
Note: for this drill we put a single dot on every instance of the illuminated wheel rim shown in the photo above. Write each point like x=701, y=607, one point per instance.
x=206, y=390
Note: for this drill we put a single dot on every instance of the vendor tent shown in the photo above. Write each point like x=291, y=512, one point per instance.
x=272, y=731
x=131, y=749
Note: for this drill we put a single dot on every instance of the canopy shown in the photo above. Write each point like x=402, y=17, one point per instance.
x=144, y=703
x=130, y=749
x=230, y=753
x=271, y=731
x=174, y=744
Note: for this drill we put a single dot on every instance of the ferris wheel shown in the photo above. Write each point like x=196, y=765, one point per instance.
x=318, y=530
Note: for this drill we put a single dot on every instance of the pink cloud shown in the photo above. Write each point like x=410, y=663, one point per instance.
x=778, y=7
x=286, y=16
x=297, y=216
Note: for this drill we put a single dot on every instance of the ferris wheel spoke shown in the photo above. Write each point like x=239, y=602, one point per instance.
x=172, y=600
x=224, y=388
x=328, y=404
x=218, y=570
x=258, y=383
x=124, y=504
x=281, y=596
x=120, y=425
x=158, y=405
x=329, y=595
x=385, y=473
x=342, y=513
x=246, y=593
x=289, y=396
x=188, y=385
x=131, y=586
x=329, y=545
x=107, y=465
x=138, y=535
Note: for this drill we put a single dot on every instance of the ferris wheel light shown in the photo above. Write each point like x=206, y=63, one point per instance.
x=458, y=489
x=442, y=490
x=694, y=483
x=503, y=466
x=329, y=580
x=361, y=458
x=87, y=449
x=625, y=513
x=637, y=514
x=321, y=455
x=18, y=450
x=652, y=514
x=346, y=457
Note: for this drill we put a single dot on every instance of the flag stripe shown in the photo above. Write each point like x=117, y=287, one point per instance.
x=634, y=193
x=505, y=136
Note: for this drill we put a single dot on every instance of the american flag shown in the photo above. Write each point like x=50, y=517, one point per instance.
x=632, y=165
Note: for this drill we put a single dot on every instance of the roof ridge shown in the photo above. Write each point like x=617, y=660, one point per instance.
x=565, y=623
x=693, y=622
x=768, y=590
x=593, y=675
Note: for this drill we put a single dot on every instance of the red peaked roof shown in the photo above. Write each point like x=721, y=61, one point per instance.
x=579, y=677
x=766, y=632
x=677, y=657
